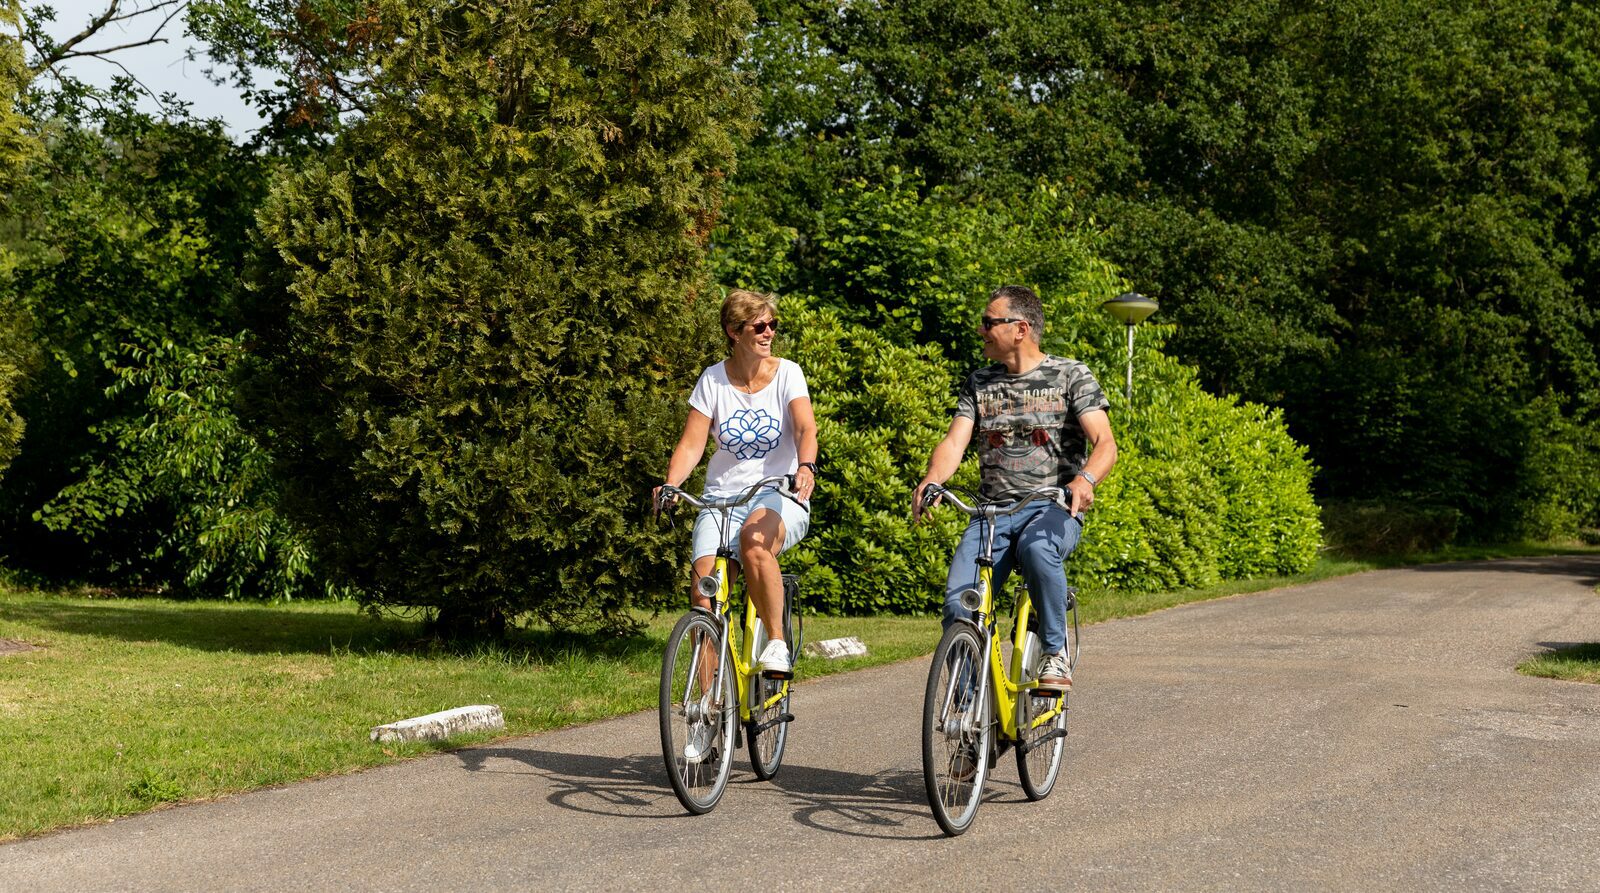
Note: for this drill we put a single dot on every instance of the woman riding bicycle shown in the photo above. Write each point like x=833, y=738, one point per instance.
x=758, y=407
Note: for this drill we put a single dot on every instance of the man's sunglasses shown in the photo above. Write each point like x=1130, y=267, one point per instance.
x=760, y=328
x=990, y=322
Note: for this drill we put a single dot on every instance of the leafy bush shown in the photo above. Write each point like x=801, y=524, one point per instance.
x=1206, y=488
x=880, y=409
x=484, y=301
x=1557, y=492
x=187, y=454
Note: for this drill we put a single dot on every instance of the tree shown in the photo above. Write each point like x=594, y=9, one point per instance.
x=130, y=236
x=1376, y=216
x=320, y=52
x=481, y=307
x=18, y=148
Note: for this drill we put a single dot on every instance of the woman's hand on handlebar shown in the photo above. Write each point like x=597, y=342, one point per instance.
x=803, y=481
x=663, y=497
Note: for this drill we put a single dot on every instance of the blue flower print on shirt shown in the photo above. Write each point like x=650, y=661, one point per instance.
x=750, y=433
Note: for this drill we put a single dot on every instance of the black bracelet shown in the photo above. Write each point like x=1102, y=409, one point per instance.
x=810, y=465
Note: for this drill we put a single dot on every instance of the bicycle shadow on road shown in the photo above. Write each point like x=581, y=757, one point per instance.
x=633, y=786
x=890, y=804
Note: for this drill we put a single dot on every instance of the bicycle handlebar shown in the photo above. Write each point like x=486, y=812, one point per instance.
x=783, y=483
x=935, y=491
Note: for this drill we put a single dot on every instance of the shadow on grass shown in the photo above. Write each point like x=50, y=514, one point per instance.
x=265, y=630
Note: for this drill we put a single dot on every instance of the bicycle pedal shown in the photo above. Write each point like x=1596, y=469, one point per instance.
x=773, y=674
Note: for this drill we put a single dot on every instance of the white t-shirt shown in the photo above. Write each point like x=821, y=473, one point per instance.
x=754, y=432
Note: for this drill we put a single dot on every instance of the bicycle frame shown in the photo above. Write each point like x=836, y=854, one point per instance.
x=742, y=658
x=1007, y=685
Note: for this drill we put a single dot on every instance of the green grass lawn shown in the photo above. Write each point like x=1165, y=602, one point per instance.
x=1580, y=663
x=132, y=703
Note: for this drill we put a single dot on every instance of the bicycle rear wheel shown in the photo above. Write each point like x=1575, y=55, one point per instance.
x=1041, y=736
x=696, y=723
x=956, y=729
x=768, y=729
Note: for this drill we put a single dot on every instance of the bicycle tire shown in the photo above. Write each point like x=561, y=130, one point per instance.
x=687, y=713
x=767, y=744
x=1039, y=751
x=956, y=736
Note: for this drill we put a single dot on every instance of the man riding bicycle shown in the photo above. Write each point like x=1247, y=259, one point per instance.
x=1035, y=416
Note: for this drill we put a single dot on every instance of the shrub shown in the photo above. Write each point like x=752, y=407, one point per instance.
x=188, y=455
x=880, y=409
x=1206, y=489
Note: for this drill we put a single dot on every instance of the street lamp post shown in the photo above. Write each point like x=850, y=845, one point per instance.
x=1131, y=308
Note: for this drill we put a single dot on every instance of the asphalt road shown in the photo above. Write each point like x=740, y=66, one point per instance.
x=1367, y=732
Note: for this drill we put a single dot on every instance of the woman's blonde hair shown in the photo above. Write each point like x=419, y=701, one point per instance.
x=741, y=306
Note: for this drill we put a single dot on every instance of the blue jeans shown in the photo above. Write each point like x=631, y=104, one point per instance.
x=1042, y=535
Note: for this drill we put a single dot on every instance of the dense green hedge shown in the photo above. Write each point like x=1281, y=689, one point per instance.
x=880, y=408
x=1207, y=488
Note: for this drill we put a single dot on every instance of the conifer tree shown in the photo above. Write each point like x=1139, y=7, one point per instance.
x=482, y=308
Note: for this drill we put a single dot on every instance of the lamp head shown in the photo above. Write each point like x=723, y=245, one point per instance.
x=1131, y=308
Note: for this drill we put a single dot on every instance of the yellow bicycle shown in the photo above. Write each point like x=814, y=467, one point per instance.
x=978, y=704
x=710, y=689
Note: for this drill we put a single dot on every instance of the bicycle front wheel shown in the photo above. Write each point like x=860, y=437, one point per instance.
x=697, y=719
x=1041, y=728
x=956, y=729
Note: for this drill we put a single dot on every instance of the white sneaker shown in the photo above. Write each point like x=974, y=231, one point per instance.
x=775, y=659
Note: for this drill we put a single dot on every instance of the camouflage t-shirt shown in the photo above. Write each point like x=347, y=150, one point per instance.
x=1026, y=426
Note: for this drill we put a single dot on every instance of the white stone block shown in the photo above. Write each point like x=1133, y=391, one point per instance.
x=441, y=725
x=832, y=649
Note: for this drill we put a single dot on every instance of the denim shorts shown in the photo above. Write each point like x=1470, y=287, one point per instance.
x=796, y=521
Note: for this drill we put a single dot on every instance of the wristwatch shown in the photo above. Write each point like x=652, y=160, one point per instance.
x=1088, y=477
x=810, y=465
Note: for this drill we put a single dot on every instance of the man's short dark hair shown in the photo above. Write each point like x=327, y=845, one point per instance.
x=1025, y=305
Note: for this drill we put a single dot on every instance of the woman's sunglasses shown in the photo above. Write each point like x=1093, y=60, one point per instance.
x=760, y=328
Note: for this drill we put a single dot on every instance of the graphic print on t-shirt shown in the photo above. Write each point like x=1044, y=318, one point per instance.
x=1014, y=426
x=750, y=433
x=1026, y=425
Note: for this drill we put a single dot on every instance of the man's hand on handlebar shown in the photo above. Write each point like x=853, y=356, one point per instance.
x=1082, y=493
x=927, y=495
